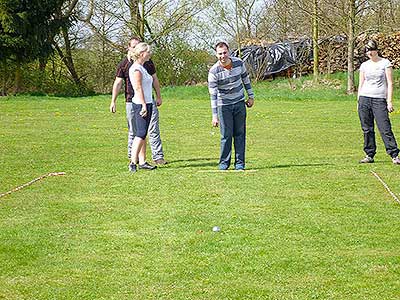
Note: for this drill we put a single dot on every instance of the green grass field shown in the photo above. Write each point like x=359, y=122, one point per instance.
x=306, y=221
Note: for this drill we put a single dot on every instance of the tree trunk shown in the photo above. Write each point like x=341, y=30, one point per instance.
x=237, y=27
x=350, y=47
x=135, y=17
x=42, y=72
x=18, y=76
x=315, y=30
x=67, y=57
x=3, y=70
x=142, y=19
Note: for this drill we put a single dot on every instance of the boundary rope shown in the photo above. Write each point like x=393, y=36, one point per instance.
x=31, y=182
x=386, y=187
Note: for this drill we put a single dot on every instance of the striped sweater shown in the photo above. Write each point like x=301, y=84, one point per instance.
x=226, y=86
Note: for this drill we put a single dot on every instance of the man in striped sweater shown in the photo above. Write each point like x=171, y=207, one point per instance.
x=227, y=80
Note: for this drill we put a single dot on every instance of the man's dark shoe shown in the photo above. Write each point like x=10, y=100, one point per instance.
x=367, y=160
x=147, y=166
x=132, y=167
x=160, y=161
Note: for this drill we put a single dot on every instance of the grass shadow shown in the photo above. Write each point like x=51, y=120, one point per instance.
x=193, y=162
x=294, y=166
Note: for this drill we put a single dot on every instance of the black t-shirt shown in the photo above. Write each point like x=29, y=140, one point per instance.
x=123, y=72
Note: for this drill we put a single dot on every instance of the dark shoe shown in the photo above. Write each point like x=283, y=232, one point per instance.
x=367, y=160
x=132, y=167
x=147, y=166
x=396, y=160
x=239, y=168
x=160, y=161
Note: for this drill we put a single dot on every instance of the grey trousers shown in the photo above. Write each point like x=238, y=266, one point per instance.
x=370, y=109
x=153, y=132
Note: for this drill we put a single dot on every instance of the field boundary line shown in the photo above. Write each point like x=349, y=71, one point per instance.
x=386, y=187
x=32, y=182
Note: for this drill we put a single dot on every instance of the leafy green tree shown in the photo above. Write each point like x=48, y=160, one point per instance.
x=27, y=29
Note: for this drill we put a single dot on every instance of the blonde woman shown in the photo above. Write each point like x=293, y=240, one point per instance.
x=142, y=83
x=375, y=92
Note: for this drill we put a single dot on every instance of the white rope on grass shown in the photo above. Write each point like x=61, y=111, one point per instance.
x=386, y=187
x=32, y=181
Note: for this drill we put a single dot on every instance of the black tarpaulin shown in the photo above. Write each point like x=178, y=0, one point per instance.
x=275, y=58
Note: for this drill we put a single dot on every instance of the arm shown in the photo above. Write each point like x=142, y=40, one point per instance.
x=156, y=86
x=213, y=90
x=361, y=81
x=389, y=79
x=247, y=86
x=136, y=79
x=115, y=90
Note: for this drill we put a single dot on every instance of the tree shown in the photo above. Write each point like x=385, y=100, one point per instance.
x=234, y=21
x=315, y=31
x=351, y=21
x=150, y=20
x=26, y=31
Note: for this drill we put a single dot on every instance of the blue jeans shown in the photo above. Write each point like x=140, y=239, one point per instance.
x=232, y=119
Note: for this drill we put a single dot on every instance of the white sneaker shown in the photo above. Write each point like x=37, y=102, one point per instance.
x=396, y=160
x=367, y=160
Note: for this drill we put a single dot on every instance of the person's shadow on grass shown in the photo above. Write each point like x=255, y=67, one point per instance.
x=292, y=166
x=213, y=162
x=194, y=162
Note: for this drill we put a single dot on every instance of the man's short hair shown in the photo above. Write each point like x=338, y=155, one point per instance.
x=134, y=38
x=221, y=44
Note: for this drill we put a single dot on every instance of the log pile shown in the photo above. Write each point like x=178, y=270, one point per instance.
x=332, y=54
x=389, y=46
x=333, y=51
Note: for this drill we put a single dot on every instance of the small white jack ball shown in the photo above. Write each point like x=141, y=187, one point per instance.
x=216, y=229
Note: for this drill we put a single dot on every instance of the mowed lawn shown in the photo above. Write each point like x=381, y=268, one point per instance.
x=305, y=221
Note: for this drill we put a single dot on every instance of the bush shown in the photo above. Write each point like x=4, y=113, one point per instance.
x=177, y=64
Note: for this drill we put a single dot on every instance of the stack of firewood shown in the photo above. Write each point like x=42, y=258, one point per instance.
x=333, y=52
x=389, y=45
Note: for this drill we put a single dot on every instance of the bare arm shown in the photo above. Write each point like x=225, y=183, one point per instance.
x=115, y=90
x=138, y=87
x=361, y=81
x=389, y=79
x=156, y=86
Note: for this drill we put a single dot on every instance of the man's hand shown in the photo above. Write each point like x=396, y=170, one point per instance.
x=249, y=102
x=116, y=88
x=390, y=107
x=158, y=101
x=215, y=121
x=113, y=107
